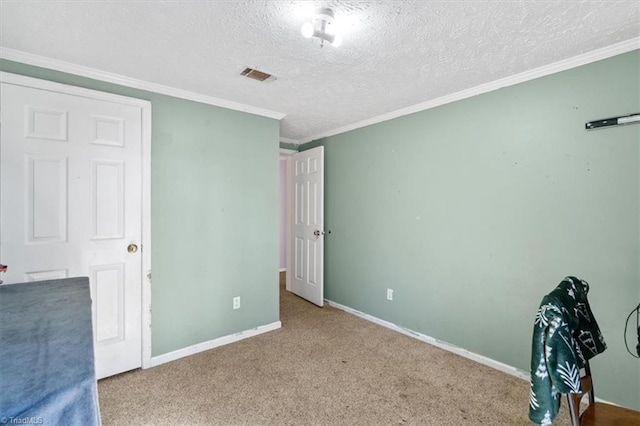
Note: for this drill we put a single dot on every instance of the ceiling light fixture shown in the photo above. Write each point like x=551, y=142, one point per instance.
x=322, y=26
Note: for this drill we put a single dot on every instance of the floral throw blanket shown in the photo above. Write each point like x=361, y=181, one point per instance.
x=565, y=334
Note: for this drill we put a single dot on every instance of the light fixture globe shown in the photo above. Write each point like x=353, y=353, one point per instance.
x=307, y=30
x=337, y=40
x=322, y=27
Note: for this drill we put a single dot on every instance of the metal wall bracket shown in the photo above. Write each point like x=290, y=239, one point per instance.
x=615, y=121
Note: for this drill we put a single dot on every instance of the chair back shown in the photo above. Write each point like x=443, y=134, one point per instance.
x=598, y=413
x=575, y=399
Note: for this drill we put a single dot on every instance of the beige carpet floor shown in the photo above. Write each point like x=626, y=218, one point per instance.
x=323, y=367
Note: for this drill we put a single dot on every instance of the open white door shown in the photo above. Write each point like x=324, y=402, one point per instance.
x=307, y=239
x=71, y=200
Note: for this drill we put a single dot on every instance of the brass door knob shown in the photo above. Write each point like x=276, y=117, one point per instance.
x=132, y=248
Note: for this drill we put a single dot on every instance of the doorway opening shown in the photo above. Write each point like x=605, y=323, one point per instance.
x=285, y=157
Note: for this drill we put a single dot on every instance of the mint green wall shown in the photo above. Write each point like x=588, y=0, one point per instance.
x=474, y=210
x=214, y=215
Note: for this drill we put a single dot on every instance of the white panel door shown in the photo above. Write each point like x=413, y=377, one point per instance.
x=70, y=197
x=307, y=245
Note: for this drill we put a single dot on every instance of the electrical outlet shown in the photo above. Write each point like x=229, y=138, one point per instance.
x=389, y=294
x=236, y=302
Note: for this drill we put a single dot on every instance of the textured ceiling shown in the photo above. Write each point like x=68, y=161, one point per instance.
x=395, y=54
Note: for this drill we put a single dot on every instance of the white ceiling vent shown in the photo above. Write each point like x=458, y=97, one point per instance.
x=257, y=75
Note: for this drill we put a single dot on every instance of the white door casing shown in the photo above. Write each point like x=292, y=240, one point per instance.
x=71, y=202
x=307, y=239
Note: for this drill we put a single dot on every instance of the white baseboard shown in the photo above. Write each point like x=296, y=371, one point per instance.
x=435, y=342
x=221, y=341
x=283, y=269
x=513, y=371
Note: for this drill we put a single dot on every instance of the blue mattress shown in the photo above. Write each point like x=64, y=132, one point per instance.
x=47, y=372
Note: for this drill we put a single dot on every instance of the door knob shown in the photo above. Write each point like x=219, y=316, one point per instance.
x=132, y=248
x=318, y=232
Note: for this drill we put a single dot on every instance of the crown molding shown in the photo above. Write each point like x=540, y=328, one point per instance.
x=68, y=67
x=565, y=64
x=291, y=141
